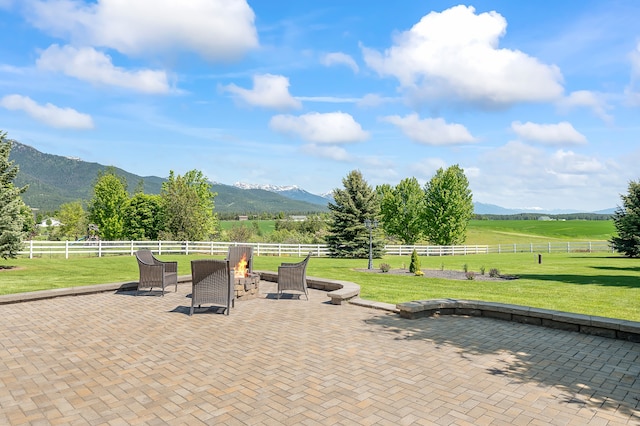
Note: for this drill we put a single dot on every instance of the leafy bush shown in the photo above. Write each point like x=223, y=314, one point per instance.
x=419, y=273
x=470, y=275
x=494, y=273
x=384, y=267
x=482, y=270
x=415, y=262
x=465, y=267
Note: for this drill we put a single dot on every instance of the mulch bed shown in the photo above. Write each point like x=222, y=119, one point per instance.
x=444, y=274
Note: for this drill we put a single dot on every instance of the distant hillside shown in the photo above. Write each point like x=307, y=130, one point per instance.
x=54, y=180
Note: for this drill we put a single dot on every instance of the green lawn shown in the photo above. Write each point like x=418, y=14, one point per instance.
x=594, y=284
x=526, y=231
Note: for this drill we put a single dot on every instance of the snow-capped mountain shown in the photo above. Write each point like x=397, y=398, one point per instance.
x=290, y=191
x=266, y=187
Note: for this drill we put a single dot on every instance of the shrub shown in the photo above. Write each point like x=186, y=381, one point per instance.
x=465, y=267
x=470, y=275
x=419, y=273
x=442, y=266
x=415, y=262
x=494, y=273
x=384, y=267
x=482, y=270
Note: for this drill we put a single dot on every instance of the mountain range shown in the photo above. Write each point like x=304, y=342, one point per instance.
x=54, y=180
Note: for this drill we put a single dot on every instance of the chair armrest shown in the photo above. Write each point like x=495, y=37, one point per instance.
x=170, y=266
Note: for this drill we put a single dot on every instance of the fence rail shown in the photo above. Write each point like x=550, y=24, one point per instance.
x=106, y=248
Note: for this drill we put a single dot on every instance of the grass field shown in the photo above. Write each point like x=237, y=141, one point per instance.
x=525, y=231
x=505, y=231
x=592, y=284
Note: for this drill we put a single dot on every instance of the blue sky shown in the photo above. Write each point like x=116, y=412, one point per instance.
x=537, y=101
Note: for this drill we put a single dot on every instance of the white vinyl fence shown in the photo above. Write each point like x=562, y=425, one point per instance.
x=106, y=248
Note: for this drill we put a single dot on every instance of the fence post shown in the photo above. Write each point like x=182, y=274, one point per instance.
x=530, y=247
x=568, y=247
x=66, y=249
x=31, y=249
x=589, y=246
x=549, y=246
x=515, y=249
x=99, y=248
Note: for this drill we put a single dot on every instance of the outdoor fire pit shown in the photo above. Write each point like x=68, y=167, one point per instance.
x=245, y=283
x=247, y=287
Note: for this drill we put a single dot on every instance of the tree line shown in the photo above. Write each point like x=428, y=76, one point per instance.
x=360, y=217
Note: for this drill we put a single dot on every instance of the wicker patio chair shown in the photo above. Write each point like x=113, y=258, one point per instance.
x=155, y=273
x=211, y=284
x=293, y=276
x=235, y=253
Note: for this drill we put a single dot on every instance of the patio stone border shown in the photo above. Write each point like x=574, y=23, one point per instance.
x=587, y=324
x=75, y=291
x=339, y=291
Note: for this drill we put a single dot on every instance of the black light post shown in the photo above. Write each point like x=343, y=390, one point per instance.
x=370, y=225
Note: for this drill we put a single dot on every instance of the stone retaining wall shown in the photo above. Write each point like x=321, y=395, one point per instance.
x=588, y=324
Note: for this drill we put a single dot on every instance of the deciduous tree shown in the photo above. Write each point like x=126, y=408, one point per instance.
x=347, y=234
x=73, y=220
x=11, y=205
x=448, y=207
x=143, y=217
x=188, y=207
x=627, y=222
x=106, y=206
x=402, y=210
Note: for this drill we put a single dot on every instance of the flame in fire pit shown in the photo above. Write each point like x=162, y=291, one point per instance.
x=241, y=270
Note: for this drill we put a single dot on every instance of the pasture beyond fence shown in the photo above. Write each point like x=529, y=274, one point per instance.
x=35, y=248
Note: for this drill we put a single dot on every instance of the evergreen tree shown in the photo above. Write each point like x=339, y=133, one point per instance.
x=414, y=266
x=627, y=222
x=105, y=208
x=347, y=234
x=448, y=207
x=11, y=205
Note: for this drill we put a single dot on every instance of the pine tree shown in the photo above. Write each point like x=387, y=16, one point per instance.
x=627, y=222
x=348, y=236
x=414, y=266
x=11, y=218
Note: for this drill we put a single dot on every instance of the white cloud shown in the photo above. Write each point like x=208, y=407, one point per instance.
x=374, y=100
x=269, y=91
x=214, y=29
x=425, y=168
x=331, y=152
x=95, y=67
x=331, y=128
x=587, y=99
x=431, y=131
x=62, y=118
x=568, y=162
x=518, y=175
x=455, y=55
x=339, y=58
x=562, y=133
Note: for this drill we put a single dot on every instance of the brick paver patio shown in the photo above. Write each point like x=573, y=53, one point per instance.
x=118, y=359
